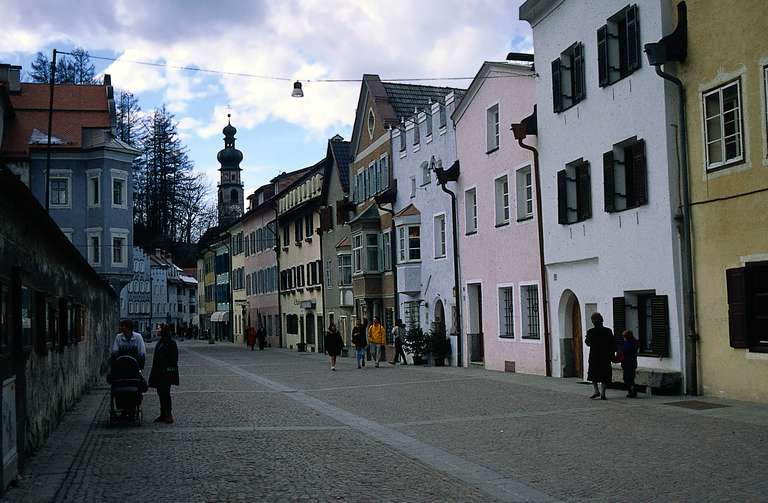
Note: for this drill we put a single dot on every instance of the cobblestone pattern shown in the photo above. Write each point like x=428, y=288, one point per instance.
x=238, y=440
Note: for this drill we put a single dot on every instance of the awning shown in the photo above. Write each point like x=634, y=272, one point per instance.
x=220, y=316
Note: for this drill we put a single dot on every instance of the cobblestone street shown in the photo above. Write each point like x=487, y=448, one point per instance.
x=280, y=426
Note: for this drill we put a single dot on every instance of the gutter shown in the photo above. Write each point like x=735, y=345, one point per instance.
x=521, y=131
x=673, y=48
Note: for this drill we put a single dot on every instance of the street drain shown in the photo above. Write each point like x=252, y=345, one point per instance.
x=696, y=405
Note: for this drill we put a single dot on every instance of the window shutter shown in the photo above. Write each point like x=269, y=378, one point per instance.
x=319, y=266
x=326, y=219
x=640, y=189
x=602, y=56
x=577, y=73
x=341, y=212
x=380, y=245
x=609, y=182
x=562, y=197
x=737, y=307
x=633, y=39
x=660, y=325
x=619, y=319
x=583, y=192
x=557, y=88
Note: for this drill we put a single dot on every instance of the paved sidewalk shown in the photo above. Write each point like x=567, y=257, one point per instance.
x=280, y=426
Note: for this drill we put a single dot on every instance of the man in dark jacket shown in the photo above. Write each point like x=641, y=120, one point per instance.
x=360, y=340
x=601, y=352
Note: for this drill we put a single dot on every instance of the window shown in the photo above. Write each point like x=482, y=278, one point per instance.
x=426, y=176
x=439, y=236
x=309, y=226
x=506, y=312
x=568, y=86
x=501, y=189
x=386, y=251
x=298, y=231
x=443, y=117
x=524, y=193
x=414, y=242
x=286, y=235
x=529, y=311
x=402, y=138
x=647, y=315
x=624, y=176
x=722, y=123
x=574, y=193
x=416, y=135
x=118, y=192
x=370, y=180
x=119, y=250
x=470, y=201
x=492, y=128
x=372, y=252
x=328, y=272
x=371, y=122
x=345, y=269
x=59, y=192
x=383, y=172
x=429, y=122
x=412, y=314
x=413, y=187
x=748, y=306
x=357, y=252
x=94, y=247
x=618, y=46
x=94, y=191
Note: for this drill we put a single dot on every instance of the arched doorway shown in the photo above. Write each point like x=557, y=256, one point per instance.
x=572, y=340
x=438, y=323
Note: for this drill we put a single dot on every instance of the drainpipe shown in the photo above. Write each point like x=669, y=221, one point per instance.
x=50, y=126
x=671, y=48
x=456, y=284
x=521, y=130
x=277, y=260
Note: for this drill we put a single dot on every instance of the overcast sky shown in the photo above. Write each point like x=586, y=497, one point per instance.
x=298, y=39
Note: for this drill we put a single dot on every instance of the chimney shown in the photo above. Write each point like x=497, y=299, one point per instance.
x=12, y=75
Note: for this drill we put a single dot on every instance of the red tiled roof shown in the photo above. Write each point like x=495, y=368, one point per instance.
x=75, y=107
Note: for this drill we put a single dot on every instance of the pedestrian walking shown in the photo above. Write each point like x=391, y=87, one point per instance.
x=251, y=337
x=165, y=373
x=360, y=341
x=377, y=338
x=601, y=353
x=261, y=335
x=367, y=345
x=397, y=335
x=628, y=358
x=333, y=344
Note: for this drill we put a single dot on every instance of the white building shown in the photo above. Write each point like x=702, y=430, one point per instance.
x=606, y=138
x=423, y=221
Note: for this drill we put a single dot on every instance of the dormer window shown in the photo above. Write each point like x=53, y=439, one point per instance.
x=618, y=46
x=371, y=122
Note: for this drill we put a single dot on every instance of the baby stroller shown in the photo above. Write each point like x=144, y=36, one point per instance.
x=127, y=386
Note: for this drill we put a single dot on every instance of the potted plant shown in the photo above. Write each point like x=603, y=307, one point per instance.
x=417, y=343
x=441, y=347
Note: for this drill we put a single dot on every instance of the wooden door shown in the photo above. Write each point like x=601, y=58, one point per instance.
x=578, y=355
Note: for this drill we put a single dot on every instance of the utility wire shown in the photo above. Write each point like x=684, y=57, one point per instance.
x=287, y=79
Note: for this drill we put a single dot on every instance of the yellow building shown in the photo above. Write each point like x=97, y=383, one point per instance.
x=725, y=77
x=237, y=282
x=205, y=289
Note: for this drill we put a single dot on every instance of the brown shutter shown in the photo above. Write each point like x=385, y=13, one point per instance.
x=633, y=39
x=583, y=191
x=557, y=87
x=609, y=182
x=562, y=197
x=602, y=56
x=639, y=174
x=660, y=325
x=326, y=222
x=737, y=307
x=577, y=73
x=619, y=319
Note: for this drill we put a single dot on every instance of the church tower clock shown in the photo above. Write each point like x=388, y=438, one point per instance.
x=231, y=202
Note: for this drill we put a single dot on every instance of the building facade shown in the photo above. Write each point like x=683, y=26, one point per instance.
x=423, y=219
x=301, y=284
x=90, y=191
x=239, y=299
x=727, y=113
x=609, y=183
x=336, y=246
x=498, y=236
x=136, y=296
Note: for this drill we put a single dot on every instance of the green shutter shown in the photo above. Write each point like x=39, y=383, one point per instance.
x=619, y=319
x=577, y=74
x=660, y=325
x=639, y=190
x=737, y=307
x=609, y=182
x=602, y=56
x=634, y=58
x=583, y=192
x=562, y=197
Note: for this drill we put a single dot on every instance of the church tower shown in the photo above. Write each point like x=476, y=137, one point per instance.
x=231, y=202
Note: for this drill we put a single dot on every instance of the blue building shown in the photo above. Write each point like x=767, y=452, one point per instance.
x=89, y=192
x=136, y=296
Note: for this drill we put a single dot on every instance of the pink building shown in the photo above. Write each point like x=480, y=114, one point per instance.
x=502, y=305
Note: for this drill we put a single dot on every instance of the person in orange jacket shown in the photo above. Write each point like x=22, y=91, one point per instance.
x=377, y=338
